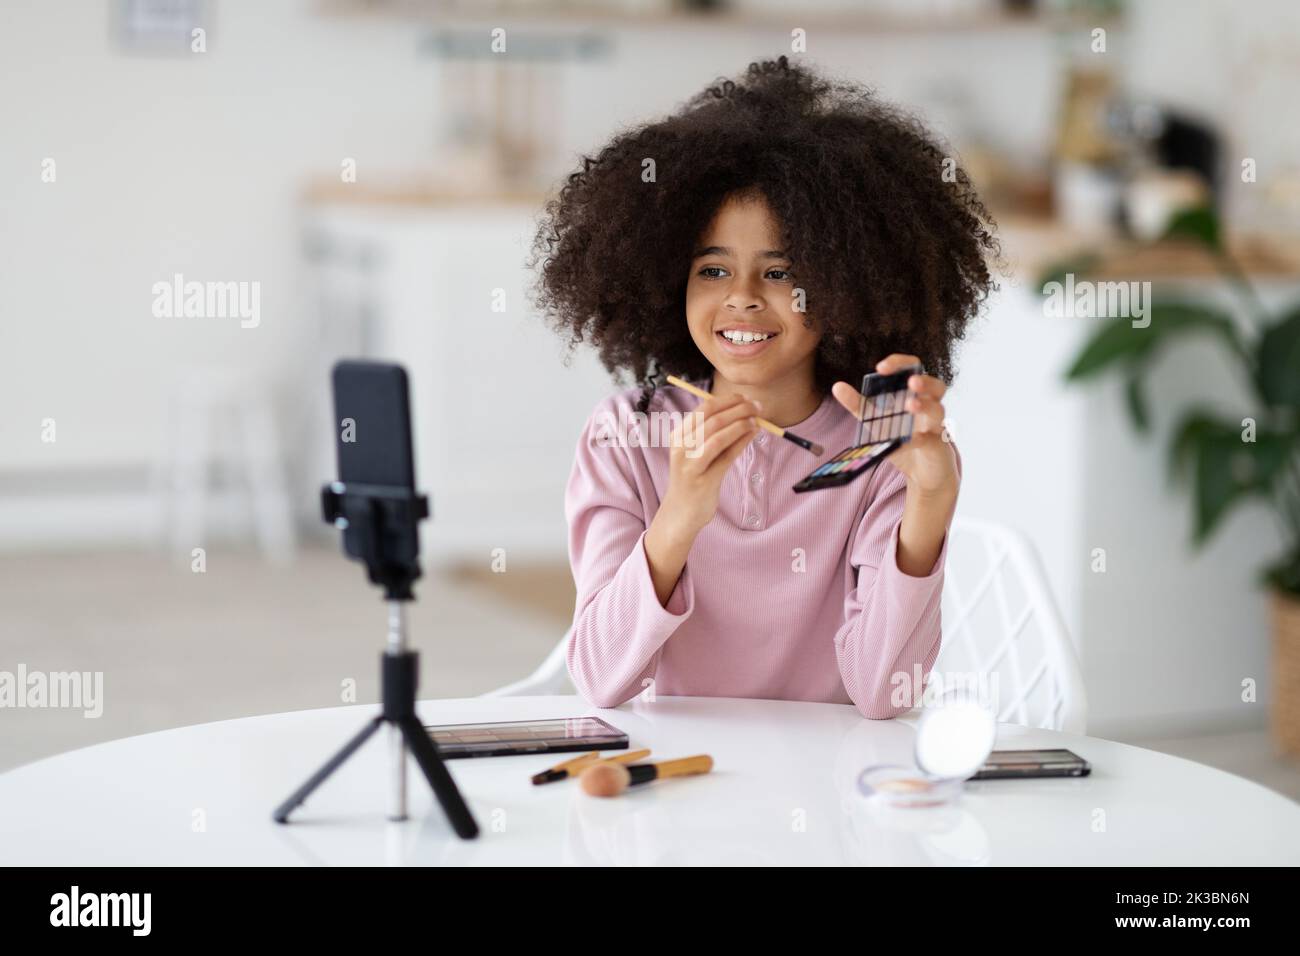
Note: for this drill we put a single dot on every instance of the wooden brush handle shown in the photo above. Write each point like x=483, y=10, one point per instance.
x=701, y=393
x=628, y=757
x=684, y=767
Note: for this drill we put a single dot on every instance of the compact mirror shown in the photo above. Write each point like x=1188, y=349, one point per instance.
x=954, y=738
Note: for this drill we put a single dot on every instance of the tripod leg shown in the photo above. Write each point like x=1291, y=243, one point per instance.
x=282, y=812
x=435, y=771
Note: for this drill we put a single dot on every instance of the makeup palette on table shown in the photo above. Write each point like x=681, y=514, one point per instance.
x=884, y=424
x=506, y=738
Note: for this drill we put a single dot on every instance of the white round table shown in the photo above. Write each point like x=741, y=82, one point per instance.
x=782, y=792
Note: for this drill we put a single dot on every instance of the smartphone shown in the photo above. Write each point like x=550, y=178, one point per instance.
x=1006, y=764
x=372, y=415
x=372, y=421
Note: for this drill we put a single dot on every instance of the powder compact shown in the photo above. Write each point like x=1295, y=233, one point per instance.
x=953, y=738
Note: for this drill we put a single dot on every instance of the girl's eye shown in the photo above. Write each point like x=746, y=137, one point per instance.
x=718, y=272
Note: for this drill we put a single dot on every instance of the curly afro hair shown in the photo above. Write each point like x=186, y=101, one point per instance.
x=890, y=243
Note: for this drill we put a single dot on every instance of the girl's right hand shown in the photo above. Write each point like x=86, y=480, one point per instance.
x=709, y=439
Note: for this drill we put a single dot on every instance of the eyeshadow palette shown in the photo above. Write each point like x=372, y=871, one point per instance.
x=1032, y=763
x=526, y=737
x=883, y=425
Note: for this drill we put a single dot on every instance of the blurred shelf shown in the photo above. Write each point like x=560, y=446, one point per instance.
x=1263, y=257
x=416, y=192
x=1033, y=244
x=599, y=15
x=1030, y=244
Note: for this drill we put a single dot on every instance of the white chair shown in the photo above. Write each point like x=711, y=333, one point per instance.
x=1001, y=623
x=551, y=676
x=1001, y=628
x=206, y=404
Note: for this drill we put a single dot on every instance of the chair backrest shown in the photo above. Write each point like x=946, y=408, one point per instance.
x=551, y=676
x=1001, y=627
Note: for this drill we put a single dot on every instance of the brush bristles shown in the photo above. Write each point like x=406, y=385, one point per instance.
x=605, y=779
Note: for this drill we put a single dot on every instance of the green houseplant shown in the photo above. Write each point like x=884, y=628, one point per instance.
x=1227, y=461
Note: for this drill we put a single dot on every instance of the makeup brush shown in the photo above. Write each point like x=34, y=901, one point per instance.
x=788, y=435
x=571, y=768
x=611, y=779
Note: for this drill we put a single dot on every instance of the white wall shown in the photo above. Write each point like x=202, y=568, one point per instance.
x=165, y=165
x=1172, y=632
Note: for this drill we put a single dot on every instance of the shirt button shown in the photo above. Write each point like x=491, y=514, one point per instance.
x=761, y=439
x=752, y=520
x=756, y=478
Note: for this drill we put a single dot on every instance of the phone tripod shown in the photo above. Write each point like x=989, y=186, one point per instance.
x=379, y=525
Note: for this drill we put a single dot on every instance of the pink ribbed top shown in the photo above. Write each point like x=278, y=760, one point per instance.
x=784, y=596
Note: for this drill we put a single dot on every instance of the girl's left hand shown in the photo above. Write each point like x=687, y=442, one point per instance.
x=928, y=460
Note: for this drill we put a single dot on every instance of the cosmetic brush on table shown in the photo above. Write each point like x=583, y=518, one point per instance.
x=571, y=768
x=607, y=779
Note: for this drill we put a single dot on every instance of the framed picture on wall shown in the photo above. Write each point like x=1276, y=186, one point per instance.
x=165, y=27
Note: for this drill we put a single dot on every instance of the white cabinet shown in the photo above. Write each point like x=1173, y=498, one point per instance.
x=496, y=410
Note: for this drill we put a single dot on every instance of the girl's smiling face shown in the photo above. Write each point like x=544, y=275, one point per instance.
x=740, y=284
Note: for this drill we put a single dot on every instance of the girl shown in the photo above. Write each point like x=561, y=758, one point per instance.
x=831, y=229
